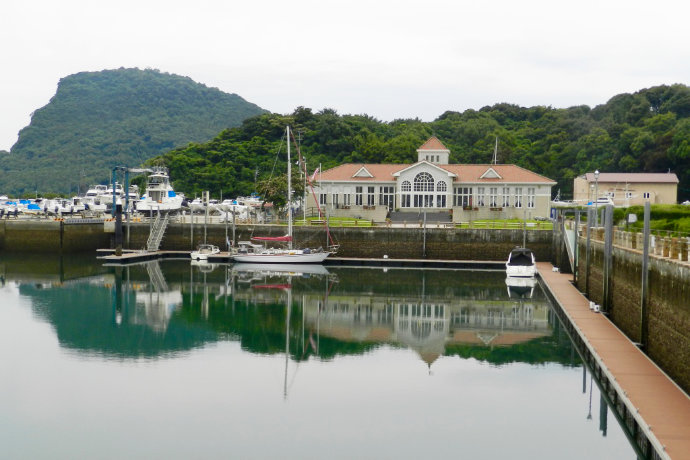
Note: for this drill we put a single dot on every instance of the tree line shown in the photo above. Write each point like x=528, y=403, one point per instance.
x=648, y=131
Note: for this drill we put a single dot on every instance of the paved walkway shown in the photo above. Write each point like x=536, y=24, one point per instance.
x=663, y=406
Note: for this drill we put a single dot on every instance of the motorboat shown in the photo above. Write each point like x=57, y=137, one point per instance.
x=159, y=195
x=521, y=263
x=252, y=252
x=204, y=251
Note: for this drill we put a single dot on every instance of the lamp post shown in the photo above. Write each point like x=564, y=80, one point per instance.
x=596, y=198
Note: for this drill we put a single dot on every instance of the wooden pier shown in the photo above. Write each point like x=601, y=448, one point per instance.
x=654, y=409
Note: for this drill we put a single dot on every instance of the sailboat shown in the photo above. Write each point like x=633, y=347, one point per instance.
x=251, y=252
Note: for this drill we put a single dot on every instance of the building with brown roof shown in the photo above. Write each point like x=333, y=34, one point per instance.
x=627, y=189
x=469, y=192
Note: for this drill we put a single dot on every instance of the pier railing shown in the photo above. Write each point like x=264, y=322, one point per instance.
x=675, y=248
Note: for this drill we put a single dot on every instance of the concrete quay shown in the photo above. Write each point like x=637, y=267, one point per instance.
x=655, y=410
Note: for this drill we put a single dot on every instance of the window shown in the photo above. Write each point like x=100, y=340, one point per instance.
x=346, y=199
x=423, y=182
x=530, y=197
x=440, y=201
x=645, y=195
x=462, y=196
x=386, y=196
x=358, y=196
x=441, y=186
x=480, y=196
x=506, y=197
x=628, y=195
x=406, y=186
x=322, y=198
x=370, y=196
x=611, y=194
x=493, y=197
x=518, y=197
x=335, y=200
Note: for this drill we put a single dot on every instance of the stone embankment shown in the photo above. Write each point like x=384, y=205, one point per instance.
x=373, y=242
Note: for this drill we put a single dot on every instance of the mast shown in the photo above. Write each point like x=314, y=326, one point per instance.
x=496, y=151
x=289, y=188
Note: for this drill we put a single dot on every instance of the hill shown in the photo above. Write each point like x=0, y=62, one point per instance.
x=98, y=120
x=648, y=131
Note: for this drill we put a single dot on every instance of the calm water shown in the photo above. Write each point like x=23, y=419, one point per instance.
x=170, y=360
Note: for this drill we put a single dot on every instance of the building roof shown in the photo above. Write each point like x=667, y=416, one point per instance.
x=665, y=178
x=433, y=144
x=346, y=172
x=464, y=172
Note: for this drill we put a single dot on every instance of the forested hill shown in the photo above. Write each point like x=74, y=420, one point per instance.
x=648, y=131
x=98, y=120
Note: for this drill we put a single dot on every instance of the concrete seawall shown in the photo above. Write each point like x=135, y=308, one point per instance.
x=374, y=242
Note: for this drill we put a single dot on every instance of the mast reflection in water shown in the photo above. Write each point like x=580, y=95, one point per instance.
x=177, y=360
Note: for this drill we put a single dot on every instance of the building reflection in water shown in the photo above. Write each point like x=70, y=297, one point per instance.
x=427, y=323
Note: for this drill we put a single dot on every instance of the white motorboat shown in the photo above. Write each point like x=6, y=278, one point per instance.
x=521, y=263
x=204, y=251
x=159, y=194
x=250, y=252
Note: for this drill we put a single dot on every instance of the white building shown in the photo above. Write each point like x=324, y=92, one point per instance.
x=469, y=192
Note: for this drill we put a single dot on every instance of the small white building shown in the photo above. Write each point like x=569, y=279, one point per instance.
x=469, y=192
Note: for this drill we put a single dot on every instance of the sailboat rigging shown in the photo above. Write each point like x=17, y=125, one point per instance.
x=251, y=252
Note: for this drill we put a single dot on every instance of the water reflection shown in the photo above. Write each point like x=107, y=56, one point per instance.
x=154, y=309
x=292, y=324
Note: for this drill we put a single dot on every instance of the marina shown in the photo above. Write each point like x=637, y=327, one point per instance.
x=630, y=384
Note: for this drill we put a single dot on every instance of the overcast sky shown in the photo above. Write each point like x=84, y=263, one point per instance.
x=388, y=59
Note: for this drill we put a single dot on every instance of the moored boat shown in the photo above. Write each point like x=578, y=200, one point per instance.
x=204, y=251
x=521, y=263
x=250, y=252
x=159, y=195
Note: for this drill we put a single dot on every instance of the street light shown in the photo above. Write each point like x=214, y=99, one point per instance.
x=596, y=198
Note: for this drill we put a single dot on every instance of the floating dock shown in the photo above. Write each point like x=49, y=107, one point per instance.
x=654, y=409
x=130, y=257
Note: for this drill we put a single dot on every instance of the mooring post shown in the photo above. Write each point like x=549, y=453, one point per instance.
x=118, y=230
x=424, y=238
x=587, y=246
x=603, y=413
x=576, y=248
x=645, y=277
x=608, y=249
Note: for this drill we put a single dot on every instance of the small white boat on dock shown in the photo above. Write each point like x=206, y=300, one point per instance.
x=204, y=251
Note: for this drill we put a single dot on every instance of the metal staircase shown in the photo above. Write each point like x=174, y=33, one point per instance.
x=157, y=232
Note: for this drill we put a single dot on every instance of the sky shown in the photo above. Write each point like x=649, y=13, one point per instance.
x=387, y=59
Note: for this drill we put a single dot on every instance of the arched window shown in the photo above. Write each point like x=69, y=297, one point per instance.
x=406, y=186
x=441, y=186
x=423, y=182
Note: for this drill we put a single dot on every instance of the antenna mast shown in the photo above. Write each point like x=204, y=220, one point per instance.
x=496, y=151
